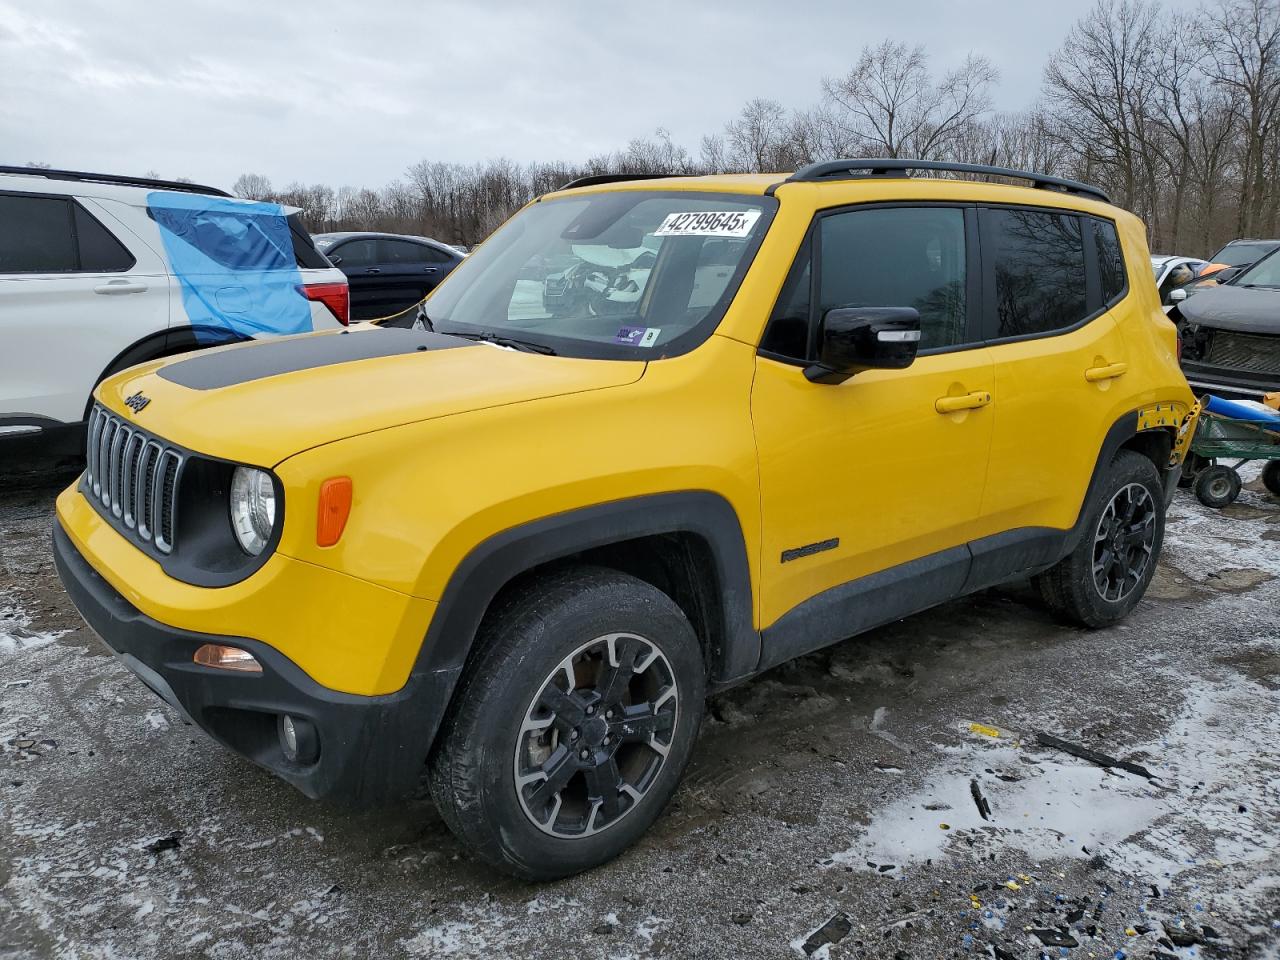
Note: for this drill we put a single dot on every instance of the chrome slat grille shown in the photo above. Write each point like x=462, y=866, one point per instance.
x=132, y=477
x=1244, y=351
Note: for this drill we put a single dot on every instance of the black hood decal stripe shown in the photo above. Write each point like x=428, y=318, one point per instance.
x=271, y=358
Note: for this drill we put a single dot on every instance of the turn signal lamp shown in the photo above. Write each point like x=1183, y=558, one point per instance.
x=334, y=508
x=226, y=658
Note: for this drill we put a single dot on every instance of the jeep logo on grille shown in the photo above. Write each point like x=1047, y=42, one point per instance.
x=136, y=402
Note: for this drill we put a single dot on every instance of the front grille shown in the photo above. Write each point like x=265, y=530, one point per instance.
x=132, y=478
x=1244, y=351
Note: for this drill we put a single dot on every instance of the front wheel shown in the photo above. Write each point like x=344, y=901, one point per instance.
x=571, y=729
x=1108, y=572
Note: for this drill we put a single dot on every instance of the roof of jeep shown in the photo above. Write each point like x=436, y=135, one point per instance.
x=756, y=184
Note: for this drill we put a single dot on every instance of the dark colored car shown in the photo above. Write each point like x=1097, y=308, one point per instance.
x=387, y=272
x=1240, y=254
x=1231, y=333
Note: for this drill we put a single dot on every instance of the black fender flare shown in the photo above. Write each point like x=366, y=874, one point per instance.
x=1121, y=432
x=495, y=562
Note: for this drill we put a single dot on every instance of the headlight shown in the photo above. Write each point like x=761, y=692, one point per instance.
x=253, y=508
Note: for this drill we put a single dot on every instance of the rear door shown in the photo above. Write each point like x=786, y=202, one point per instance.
x=1051, y=281
x=73, y=297
x=410, y=271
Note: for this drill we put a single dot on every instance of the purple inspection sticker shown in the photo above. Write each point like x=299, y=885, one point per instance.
x=637, y=336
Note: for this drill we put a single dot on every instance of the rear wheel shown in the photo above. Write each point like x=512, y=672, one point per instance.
x=1271, y=477
x=570, y=732
x=1217, y=486
x=1108, y=572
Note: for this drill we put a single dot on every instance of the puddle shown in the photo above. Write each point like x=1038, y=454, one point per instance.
x=1217, y=792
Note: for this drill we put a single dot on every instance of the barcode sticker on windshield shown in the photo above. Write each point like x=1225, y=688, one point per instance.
x=708, y=223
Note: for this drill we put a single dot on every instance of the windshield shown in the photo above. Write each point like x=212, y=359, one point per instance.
x=623, y=274
x=1264, y=273
x=1238, y=254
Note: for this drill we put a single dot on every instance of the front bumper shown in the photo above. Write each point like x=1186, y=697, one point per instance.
x=372, y=748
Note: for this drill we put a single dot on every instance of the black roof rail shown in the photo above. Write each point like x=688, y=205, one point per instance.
x=113, y=178
x=599, y=178
x=848, y=169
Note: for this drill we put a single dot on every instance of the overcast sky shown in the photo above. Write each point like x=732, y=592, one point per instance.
x=352, y=93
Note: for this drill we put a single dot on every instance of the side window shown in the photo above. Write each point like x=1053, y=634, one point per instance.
x=432, y=255
x=1038, y=268
x=354, y=253
x=36, y=235
x=402, y=251
x=880, y=257
x=1110, y=261
x=100, y=251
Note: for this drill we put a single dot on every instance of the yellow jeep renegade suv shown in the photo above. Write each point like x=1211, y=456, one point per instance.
x=652, y=438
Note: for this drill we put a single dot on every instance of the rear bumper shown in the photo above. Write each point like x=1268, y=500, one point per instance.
x=371, y=749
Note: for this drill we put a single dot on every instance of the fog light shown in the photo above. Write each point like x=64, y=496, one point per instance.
x=227, y=658
x=298, y=739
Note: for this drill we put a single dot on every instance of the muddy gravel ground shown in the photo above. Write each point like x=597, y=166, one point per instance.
x=884, y=798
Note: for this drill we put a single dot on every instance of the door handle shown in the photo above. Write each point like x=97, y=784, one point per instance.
x=1109, y=372
x=119, y=286
x=968, y=401
x=373, y=270
x=430, y=269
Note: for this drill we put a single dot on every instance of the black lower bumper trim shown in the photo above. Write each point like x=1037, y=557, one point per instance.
x=371, y=749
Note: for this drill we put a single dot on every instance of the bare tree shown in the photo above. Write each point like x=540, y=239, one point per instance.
x=252, y=186
x=1244, y=54
x=890, y=105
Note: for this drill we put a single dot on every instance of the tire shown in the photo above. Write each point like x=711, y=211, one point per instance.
x=564, y=631
x=1217, y=486
x=1271, y=477
x=1126, y=544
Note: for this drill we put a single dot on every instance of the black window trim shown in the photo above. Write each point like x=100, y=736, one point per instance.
x=973, y=263
x=1093, y=278
x=69, y=204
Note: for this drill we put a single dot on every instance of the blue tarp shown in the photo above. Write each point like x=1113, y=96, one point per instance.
x=235, y=263
x=1250, y=410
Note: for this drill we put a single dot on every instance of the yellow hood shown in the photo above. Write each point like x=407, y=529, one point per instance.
x=262, y=402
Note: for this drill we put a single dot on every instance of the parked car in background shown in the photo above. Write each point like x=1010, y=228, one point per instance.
x=1231, y=333
x=100, y=272
x=387, y=272
x=1239, y=254
x=1174, y=273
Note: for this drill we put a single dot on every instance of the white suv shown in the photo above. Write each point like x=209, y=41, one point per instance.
x=100, y=272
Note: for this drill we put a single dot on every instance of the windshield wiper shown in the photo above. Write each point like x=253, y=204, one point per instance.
x=528, y=346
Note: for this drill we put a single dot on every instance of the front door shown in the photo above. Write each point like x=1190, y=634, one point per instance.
x=878, y=480
x=1055, y=281
x=358, y=259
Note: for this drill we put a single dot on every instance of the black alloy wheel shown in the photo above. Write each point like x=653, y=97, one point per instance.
x=1124, y=542
x=596, y=735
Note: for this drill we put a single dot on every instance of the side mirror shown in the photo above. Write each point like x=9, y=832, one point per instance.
x=1177, y=296
x=860, y=338
x=335, y=260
